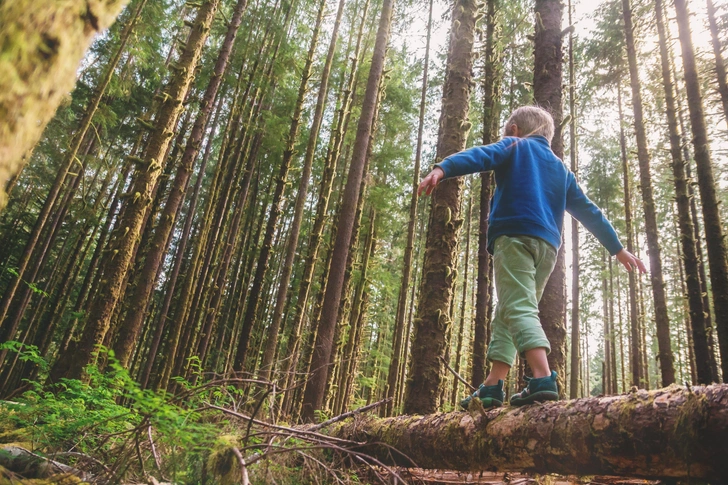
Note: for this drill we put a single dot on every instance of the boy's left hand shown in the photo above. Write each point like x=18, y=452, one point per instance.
x=429, y=182
x=630, y=261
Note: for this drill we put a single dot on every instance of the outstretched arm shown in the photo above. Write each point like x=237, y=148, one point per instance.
x=587, y=212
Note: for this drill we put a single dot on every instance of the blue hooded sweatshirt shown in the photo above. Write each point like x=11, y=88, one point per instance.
x=533, y=190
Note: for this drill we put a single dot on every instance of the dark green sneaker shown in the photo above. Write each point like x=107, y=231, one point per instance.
x=537, y=390
x=490, y=396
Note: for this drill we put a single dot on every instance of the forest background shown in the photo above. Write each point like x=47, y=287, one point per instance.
x=185, y=206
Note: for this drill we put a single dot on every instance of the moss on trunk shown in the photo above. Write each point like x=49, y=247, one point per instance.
x=40, y=49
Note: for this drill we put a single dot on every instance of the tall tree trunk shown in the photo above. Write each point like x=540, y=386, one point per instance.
x=491, y=120
x=42, y=47
x=350, y=352
x=129, y=225
x=696, y=229
x=720, y=70
x=461, y=330
x=547, y=93
x=272, y=340
x=432, y=322
x=575, y=332
x=399, y=321
x=293, y=346
x=277, y=202
x=315, y=390
x=635, y=359
x=146, y=280
x=685, y=223
x=662, y=321
x=714, y=237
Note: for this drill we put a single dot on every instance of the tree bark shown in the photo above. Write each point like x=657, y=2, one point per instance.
x=668, y=433
x=70, y=157
x=662, y=321
x=41, y=50
x=493, y=75
x=714, y=237
x=547, y=93
x=575, y=332
x=315, y=390
x=432, y=323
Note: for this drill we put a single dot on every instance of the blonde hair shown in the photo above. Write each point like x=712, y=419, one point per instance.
x=532, y=120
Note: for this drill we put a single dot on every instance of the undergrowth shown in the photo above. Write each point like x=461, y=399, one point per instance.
x=116, y=432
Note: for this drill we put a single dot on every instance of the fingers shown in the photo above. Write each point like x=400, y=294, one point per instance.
x=641, y=266
x=424, y=186
x=428, y=183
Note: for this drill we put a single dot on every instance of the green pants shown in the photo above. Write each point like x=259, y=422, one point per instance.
x=521, y=267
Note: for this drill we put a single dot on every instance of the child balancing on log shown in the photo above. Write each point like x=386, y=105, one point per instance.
x=533, y=190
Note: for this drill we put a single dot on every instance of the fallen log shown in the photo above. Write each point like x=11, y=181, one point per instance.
x=674, y=432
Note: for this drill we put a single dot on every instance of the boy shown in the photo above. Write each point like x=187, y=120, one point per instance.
x=533, y=189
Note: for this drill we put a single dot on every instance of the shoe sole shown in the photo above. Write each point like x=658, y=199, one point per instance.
x=539, y=396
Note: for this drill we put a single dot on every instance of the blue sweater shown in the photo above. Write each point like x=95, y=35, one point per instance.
x=533, y=189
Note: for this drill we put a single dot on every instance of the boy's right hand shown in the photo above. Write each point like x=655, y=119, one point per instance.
x=431, y=181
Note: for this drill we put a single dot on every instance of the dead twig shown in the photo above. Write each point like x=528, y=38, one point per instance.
x=458, y=376
x=349, y=414
x=157, y=461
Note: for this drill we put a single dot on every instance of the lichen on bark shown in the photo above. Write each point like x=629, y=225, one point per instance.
x=41, y=46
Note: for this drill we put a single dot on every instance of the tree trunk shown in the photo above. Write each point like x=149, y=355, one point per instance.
x=146, y=278
x=130, y=223
x=42, y=47
x=315, y=390
x=276, y=204
x=575, y=332
x=399, y=321
x=714, y=237
x=685, y=223
x=662, y=321
x=293, y=346
x=292, y=244
x=491, y=119
x=547, y=80
x=432, y=322
x=635, y=360
x=720, y=70
x=461, y=330
x=664, y=434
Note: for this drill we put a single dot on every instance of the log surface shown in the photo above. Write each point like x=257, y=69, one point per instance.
x=669, y=433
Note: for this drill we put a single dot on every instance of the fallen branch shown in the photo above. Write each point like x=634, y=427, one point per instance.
x=243, y=469
x=668, y=433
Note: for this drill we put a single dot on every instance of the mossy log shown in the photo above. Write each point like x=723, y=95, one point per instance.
x=30, y=465
x=41, y=46
x=669, y=433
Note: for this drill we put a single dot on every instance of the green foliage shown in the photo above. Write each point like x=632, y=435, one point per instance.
x=107, y=416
